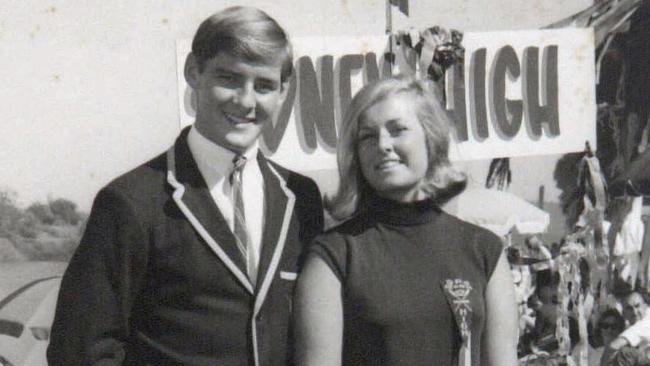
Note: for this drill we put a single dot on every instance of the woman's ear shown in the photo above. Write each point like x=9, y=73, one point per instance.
x=192, y=71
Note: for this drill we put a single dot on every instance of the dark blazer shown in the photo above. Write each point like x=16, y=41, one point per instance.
x=158, y=279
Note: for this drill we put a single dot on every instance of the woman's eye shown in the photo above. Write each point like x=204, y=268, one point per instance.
x=398, y=130
x=365, y=136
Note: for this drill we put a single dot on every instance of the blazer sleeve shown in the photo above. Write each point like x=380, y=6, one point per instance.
x=100, y=285
x=312, y=211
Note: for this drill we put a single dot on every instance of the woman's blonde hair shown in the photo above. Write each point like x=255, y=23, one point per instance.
x=442, y=181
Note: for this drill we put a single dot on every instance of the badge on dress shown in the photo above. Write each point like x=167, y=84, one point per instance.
x=457, y=293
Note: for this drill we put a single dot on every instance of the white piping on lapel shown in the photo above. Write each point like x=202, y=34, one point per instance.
x=179, y=190
x=256, y=355
x=275, y=260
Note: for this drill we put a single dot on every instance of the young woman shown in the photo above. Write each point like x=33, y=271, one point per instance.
x=401, y=282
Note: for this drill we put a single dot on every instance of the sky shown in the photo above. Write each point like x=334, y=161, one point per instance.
x=88, y=89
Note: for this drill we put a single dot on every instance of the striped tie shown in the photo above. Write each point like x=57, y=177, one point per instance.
x=240, y=230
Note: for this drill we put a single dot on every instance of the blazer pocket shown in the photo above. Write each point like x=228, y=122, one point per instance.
x=288, y=286
x=289, y=276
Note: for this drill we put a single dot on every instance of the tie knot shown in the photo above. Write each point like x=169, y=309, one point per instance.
x=238, y=163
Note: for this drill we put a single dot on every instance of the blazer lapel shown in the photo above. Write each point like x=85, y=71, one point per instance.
x=192, y=196
x=279, y=204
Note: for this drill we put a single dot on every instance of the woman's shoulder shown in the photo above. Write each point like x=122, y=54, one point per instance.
x=338, y=243
x=352, y=226
x=468, y=228
x=473, y=244
x=471, y=234
x=346, y=235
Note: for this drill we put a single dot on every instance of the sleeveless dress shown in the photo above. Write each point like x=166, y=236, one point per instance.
x=413, y=283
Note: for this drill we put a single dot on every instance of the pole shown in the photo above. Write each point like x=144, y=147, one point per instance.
x=389, y=32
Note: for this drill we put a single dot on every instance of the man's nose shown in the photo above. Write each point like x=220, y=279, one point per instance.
x=246, y=97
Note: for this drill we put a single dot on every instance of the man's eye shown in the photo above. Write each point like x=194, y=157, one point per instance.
x=264, y=88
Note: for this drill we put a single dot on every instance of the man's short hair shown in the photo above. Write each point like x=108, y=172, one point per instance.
x=246, y=33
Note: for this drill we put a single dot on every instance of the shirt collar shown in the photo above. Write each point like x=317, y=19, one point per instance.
x=213, y=156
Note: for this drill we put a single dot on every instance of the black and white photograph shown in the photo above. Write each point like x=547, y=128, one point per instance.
x=346, y=182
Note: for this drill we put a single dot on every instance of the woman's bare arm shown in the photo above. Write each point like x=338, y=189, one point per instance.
x=319, y=315
x=501, y=334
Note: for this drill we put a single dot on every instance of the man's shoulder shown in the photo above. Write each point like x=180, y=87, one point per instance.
x=140, y=189
x=141, y=179
x=293, y=178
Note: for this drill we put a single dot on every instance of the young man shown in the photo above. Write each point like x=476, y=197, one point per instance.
x=192, y=257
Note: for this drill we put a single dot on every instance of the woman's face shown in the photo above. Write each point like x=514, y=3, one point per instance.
x=392, y=148
x=609, y=329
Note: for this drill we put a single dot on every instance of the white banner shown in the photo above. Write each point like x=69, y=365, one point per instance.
x=520, y=93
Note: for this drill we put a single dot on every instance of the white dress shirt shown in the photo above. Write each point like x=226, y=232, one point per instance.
x=215, y=164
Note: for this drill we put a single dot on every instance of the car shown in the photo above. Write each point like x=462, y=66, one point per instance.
x=27, y=302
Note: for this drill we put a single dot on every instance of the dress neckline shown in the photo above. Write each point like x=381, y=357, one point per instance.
x=398, y=213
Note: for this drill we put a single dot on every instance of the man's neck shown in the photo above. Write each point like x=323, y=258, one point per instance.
x=249, y=153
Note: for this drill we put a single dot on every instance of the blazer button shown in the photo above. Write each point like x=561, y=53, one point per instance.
x=258, y=317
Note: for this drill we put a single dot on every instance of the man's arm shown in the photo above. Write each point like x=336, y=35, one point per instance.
x=611, y=350
x=618, y=343
x=635, y=334
x=97, y=292
x=316, y=221
x=310, y=207
x=632, y=336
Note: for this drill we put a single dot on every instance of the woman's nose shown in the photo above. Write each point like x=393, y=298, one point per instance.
x=385, y=142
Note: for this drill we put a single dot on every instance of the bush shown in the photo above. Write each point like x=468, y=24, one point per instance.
x=8, y=252
x=10, y=215
x=28, y=226
x=52, y=249
x=41, y=232
x=65, y=211
x=42, y=212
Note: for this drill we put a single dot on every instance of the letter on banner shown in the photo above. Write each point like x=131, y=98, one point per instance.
x=507, y=113
x=273, y=133
x=544, y=114
x=317, y=106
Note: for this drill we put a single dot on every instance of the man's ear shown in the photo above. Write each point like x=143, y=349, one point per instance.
x=284, y=89
x=192, y=71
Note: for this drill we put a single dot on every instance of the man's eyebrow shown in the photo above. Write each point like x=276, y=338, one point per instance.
x=268, y=80
x=224, y=70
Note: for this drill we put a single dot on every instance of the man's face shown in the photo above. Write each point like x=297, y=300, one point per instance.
x=634, y=308
x=235, y=99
